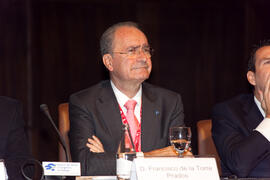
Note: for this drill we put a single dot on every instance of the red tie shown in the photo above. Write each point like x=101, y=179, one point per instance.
x=133, y=123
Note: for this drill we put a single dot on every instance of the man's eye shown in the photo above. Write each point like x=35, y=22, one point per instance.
x=146, y=50
x=267, y=62
x=131, y=50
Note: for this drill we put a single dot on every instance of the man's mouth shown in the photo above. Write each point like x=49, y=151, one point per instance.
x=141, y=67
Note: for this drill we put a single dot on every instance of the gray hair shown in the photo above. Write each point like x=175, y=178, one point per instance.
x=107, y=37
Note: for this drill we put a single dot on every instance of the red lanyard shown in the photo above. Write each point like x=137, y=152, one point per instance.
x=123, y=116
x=137, y=140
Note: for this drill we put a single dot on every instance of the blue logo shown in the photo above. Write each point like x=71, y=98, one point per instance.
x=50, y=166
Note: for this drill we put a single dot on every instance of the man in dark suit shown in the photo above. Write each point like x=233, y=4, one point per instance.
x=97, y=113
x=241, y=126
x=14, y=147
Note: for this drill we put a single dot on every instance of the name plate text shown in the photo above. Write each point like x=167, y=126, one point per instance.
x=176, y=168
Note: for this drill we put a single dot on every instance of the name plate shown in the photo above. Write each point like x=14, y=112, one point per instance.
x=61, y=168
x=176, y=168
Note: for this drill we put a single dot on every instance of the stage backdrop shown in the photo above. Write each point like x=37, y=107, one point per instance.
x=49, y=50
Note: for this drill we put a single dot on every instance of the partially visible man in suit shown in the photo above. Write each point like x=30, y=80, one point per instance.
x=97, y=113
x=14, y=147
x=241, y=126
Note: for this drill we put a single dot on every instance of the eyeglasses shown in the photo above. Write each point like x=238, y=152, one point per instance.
x=135, y=51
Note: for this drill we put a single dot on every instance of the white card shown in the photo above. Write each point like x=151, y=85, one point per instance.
x=2, y=170
x=61, y=168
x=176, y=168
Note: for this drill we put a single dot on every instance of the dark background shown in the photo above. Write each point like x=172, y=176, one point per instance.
x=49, y=49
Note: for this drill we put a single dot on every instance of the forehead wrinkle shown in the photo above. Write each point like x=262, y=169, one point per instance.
x=261, y=54
x=129, y=36
x=263, y=51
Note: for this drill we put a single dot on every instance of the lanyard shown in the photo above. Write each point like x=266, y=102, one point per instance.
x=137, y=140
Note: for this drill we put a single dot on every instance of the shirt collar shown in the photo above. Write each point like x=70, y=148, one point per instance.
x=258, y=103
x=122, y=98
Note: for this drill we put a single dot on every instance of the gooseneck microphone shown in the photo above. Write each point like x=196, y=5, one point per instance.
x=44, y=108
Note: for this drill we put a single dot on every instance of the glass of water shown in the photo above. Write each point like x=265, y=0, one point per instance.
x=180, y=138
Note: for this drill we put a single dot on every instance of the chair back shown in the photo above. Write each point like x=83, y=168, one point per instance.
x=64, y=127
x=206, y=145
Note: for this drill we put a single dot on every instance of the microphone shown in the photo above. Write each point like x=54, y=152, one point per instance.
x=44, y=108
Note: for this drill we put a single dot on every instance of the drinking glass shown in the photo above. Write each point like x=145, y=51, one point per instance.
x=180, y=138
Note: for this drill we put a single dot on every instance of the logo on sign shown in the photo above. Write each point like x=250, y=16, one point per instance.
x=50, y=166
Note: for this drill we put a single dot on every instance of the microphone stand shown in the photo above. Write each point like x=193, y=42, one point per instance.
x=44, y=108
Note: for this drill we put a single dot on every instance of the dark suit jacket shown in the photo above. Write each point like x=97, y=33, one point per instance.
x=243, y=151
x=13, y=142
x=95, y=111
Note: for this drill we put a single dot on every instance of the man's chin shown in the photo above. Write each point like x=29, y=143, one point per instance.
x=141, y=76
x=141, y=79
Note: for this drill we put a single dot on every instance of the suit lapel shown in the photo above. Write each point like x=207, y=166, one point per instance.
x=151, y=113
x=253, y=115
x=109, y=111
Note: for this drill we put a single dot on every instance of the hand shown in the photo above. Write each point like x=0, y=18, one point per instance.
x=265, y=97
x=95, y=145
x=167, y=151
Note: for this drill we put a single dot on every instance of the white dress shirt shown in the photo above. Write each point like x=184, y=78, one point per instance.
x=264, y=126
x=122, y=99
x=3, y=170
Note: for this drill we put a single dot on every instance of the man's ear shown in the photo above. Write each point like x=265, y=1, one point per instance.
x=107, y=61
x=251, y=78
